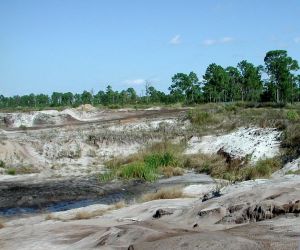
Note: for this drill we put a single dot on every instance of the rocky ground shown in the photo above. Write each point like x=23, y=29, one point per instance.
x=243, y=217
x=56, y=156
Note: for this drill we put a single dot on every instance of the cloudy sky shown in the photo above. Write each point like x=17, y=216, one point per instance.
x=73, y=45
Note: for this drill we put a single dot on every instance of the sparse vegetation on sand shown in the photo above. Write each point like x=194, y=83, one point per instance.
x=26, y=169
x=293, y=172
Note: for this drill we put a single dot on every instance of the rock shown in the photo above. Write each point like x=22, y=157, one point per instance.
x=160, y=212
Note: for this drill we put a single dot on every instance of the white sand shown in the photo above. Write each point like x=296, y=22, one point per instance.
x=258, y=143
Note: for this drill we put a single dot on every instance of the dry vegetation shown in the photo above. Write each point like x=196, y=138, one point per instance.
x=85, y=214
x=164, y=193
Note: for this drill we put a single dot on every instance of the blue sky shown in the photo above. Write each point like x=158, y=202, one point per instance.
x=72, y=45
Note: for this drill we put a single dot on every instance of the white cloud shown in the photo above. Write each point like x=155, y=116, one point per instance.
x=297, y=40
x=135, y=82
x=175, y=40
x=209, y=42
x=226, y=39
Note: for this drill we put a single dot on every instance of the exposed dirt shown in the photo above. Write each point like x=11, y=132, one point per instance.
x=69, y=148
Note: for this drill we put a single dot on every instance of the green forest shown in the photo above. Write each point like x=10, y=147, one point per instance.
x=277, y=81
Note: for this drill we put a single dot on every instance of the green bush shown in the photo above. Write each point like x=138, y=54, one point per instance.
x=2, y=164
x=11, y=171
x=23, y=127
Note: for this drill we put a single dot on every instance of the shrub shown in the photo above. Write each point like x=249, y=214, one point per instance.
x=2, y=164
x=292, y=115
x=11, y=171
x=23, y=127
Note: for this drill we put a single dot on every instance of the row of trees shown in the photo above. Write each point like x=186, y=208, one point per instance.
x=107, y=97
x=241, y=83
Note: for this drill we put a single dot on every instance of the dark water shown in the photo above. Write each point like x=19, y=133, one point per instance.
x=66, y=205
x=126, y=193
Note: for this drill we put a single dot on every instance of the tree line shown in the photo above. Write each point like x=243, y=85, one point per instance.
x=241, y=83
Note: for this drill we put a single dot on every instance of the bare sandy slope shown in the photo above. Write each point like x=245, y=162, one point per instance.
x=262, y=216
x=77, y=149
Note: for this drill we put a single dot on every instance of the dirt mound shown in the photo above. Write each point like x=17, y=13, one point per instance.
x=86, y=108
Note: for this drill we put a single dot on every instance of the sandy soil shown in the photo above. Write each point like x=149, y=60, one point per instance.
x=258, y=143
x=259, y=214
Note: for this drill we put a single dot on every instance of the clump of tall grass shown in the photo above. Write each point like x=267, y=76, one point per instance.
x=292, y=115
x=200, y=118
x=138, y=170
x=148, y=165
x=291, y=141
x=262, y=169
x=293, y=172
x=216, y=166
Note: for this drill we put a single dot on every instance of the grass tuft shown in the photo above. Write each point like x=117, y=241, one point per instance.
x=138, y=170
x=11, y=171
x=164, y=193
x=171, y=171
x=162, y=158
x=200, y=118
x=293, y=172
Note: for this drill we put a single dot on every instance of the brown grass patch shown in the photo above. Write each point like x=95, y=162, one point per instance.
x=164, y=193
x=172, y=171
x=119, y=205
x=84, y=215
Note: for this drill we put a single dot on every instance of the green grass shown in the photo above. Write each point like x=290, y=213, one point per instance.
x=138, y=170
x=292, y=115
x=200, y=118
x=11, y=171
x=262, y=169
x=2, y=164
x=293, y=172
x=156, y=160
